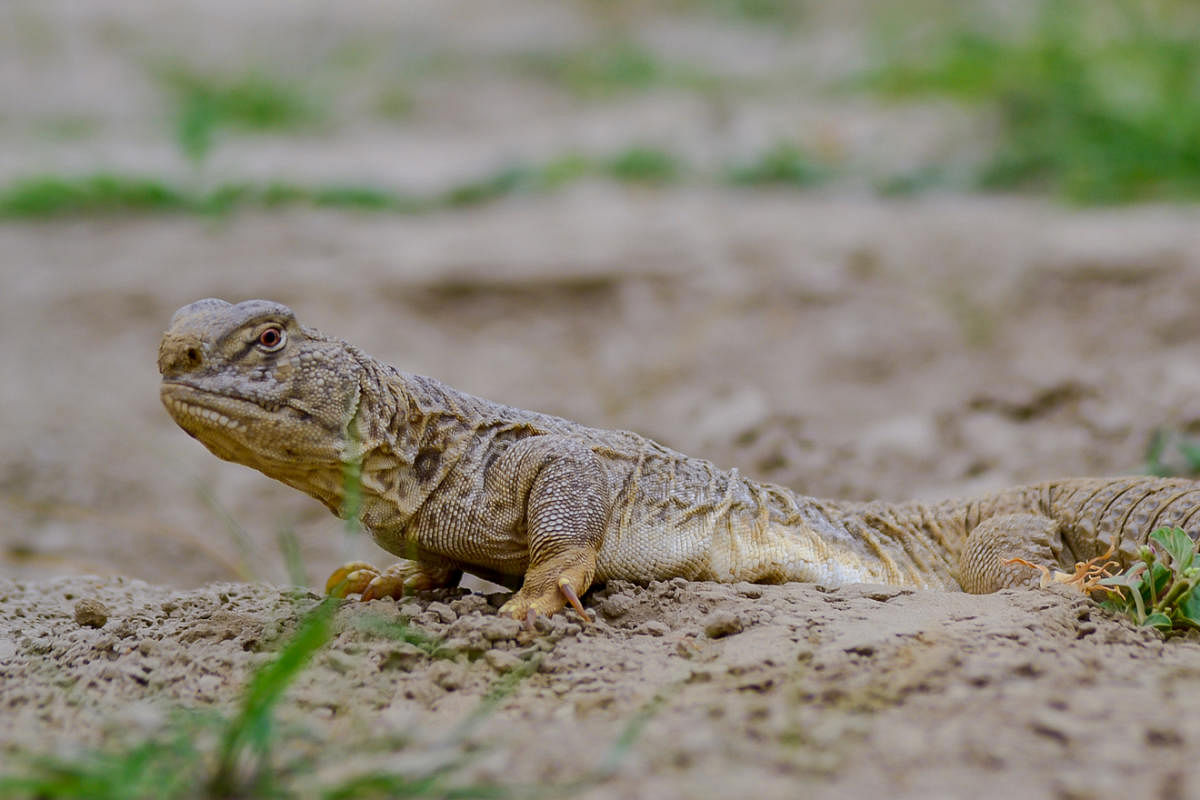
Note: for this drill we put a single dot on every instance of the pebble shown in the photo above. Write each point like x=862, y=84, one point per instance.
x=722, y=623
x=501, y=660
x=91, y=613
x=500, y=628
x=469, y=604
x=447, y=675
x=402, y=656
x=442, y=611
x=616, y=606
x=654, y=628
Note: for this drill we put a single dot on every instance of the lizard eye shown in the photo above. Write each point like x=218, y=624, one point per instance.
x=271, y=339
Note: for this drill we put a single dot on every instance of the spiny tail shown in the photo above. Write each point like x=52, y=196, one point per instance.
x=1095, y=514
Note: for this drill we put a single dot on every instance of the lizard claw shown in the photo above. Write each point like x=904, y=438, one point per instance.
x=568, y=591
x=524, y=608
x=1086, y=577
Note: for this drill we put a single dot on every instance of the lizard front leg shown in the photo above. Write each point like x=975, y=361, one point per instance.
x=401, y=578
x=994, y=554
x=566, y=510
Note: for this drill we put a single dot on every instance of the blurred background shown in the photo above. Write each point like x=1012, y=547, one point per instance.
x=864, y=249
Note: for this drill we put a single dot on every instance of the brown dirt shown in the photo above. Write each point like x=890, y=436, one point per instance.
x=831, y=341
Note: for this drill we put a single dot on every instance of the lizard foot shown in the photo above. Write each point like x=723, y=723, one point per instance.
x=1086, y=577
x=549, y=587
x=371, y=583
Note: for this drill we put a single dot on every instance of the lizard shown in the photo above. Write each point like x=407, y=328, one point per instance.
x=454, y=483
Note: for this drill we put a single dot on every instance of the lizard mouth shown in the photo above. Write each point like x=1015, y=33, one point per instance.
x=187, y=402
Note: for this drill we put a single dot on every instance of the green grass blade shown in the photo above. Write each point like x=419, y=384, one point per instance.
x=252, y=726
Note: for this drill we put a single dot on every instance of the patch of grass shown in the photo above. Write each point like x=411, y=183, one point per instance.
x=499, y=184
x=1169, y=453
x=205, y=105
x=106, y=194
x=379, y=626
x=395, y=102
x=762, y=12
x=611, y=68
x=782, y=164
x=644, y=165
x=1098, y=101
x=1161, y=590
x=249, y=737
x=50, y=196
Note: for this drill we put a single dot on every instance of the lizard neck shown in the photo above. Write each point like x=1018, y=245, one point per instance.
x=408, y=435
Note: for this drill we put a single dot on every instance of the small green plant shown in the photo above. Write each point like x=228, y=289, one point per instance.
x=1169, y=453
x=783, y=164
x=1161, y=588
x=49, y=196
x=243, y=761
x=610, y=68
x=644, y=165
x=205, y=104
x=1096, y=100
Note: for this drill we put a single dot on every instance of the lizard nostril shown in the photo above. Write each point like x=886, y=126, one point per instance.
x=179, y=353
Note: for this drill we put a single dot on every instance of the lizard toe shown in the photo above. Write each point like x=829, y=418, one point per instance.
x=525, y=605
x=350, y=578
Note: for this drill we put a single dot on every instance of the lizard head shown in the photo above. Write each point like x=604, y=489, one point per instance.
x=256, y=387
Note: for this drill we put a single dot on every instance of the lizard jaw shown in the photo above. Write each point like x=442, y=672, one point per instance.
x=199, y=412
x=272, y=438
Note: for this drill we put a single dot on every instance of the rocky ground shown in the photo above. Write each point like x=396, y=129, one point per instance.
x=830, y=340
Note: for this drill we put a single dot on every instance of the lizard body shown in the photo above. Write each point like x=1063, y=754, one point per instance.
x=453, y=483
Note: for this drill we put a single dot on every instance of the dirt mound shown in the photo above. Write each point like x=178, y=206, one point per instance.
x=677, y=690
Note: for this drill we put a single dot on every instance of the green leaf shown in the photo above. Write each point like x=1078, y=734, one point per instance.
x=1189, y=609
x=1154, y=582
x=1178, y=544
x=1158, y=620
x=1130, y=577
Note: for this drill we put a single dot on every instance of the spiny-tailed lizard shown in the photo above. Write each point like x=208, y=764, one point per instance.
x=454, y=483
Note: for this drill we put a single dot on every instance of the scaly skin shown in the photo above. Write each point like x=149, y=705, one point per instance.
x=455, y=483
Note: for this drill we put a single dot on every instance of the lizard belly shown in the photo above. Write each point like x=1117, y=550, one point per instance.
x=720, y=548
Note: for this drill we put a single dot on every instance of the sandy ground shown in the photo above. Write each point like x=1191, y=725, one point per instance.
x=831, y=341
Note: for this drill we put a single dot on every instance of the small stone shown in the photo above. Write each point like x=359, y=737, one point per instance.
x=654, y=628
x=91, y=613
x=722, y=623
x=688, y=647
x=501, y=660
x=500, y=628
x=443, y=612
x=469, y=604
x=339, y=663
x=403, y=656
x=447, y=675
x=616, y=606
